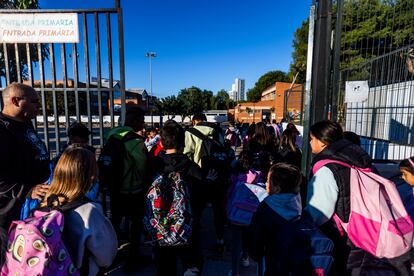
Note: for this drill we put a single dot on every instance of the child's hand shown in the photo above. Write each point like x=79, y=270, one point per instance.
x=212, y=175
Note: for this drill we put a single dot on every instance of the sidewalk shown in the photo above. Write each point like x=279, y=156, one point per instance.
x=215, y=264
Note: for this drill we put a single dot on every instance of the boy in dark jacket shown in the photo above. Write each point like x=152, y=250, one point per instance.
x=282, y=205
x=173, y=160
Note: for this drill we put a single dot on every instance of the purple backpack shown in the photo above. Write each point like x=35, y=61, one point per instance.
x=378, y=222
x=35, y=247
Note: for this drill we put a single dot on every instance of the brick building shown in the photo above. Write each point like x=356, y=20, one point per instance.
x=277, y=101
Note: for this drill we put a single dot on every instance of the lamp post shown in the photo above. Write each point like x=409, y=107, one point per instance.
x=151, y=55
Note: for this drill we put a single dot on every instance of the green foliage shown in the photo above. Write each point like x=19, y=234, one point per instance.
x=253, y=95
x=370, y=28
x=270, y=78
x=193, y=100
x=299, y=55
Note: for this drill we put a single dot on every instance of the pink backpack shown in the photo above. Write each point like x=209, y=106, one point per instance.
x=35, y=247
x=378, y=222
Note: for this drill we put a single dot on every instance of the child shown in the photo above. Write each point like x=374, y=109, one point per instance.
x=283, y=204
x=173, y=160
x=88, y=234
x=407, y=171
x=242, y=173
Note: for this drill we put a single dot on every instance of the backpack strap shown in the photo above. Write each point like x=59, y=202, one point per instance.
x=325, y=162
x=197, y=133
x=65, y=207
x=129, y=136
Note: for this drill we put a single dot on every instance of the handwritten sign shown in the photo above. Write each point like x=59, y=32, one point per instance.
x=39, y=28
x=356, y=91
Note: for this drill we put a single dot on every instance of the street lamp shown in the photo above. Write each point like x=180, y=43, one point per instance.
x=151, y=55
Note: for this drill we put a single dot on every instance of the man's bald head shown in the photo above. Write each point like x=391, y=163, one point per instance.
x=16, y=90
x=20, y=102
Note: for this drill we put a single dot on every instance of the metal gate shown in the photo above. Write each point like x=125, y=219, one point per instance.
x=377, y=46
x=293, y=106
x=75, y=81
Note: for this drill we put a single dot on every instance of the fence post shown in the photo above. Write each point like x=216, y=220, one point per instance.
x=308, y=95
x=336, y=60
x=321, y=62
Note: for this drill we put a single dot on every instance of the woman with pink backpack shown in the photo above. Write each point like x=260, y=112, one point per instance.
x=337, y=191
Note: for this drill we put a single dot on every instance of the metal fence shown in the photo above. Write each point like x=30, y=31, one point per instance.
x=377, y=46
x=75, y=81
x=293, y=104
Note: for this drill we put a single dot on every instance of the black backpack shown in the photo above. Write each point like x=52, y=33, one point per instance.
x=213, y=154
x=111, y=163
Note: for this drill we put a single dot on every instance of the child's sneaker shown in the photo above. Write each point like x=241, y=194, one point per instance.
x=245, y=261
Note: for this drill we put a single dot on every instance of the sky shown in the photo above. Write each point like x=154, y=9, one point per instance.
x=203, y=43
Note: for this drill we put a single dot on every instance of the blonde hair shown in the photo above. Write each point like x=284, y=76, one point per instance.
x=73, y=176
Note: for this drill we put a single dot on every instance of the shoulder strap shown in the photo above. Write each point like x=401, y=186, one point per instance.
x=129, y=136
x=325, y=162
x=197, y=133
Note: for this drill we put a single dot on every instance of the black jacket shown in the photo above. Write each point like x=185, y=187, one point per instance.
x=24, y=163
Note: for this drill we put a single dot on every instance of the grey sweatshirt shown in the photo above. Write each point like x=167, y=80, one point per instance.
x=88, y=233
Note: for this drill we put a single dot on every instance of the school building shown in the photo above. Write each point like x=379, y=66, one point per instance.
x=278, y=101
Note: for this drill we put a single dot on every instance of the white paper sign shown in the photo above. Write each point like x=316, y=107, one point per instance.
x=356, y=91
x=39, y=28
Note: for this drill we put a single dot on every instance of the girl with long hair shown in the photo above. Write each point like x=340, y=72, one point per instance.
x=88, y=234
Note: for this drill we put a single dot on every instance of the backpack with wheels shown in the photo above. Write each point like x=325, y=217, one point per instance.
x=168, y=217
x=378, y=222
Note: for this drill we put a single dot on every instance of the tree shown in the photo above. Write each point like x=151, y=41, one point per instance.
x=222, y=101
x=253, y=95
x=300, y=51
x=20, y=4
x=270, y=78
x=208, y=99
x=191, y=101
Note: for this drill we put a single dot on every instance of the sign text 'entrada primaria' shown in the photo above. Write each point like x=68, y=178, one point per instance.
x=39, y=28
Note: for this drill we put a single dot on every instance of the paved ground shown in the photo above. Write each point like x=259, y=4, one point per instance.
x=215, y=264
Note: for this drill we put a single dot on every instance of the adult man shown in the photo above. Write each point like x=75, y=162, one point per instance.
x=127, y=190
x=24, y=160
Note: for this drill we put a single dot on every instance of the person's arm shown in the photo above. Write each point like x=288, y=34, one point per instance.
x=322, y=196
x=189, y=143
x=102, y=243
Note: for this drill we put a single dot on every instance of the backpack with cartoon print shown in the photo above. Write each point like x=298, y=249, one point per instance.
x=35, y=245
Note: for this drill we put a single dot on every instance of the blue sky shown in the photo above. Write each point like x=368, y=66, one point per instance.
x=204, y=43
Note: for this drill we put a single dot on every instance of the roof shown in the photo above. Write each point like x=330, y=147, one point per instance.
x=137, y=90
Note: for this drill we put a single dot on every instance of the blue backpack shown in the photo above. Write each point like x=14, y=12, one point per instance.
x=244, y=198
x=304, y=249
